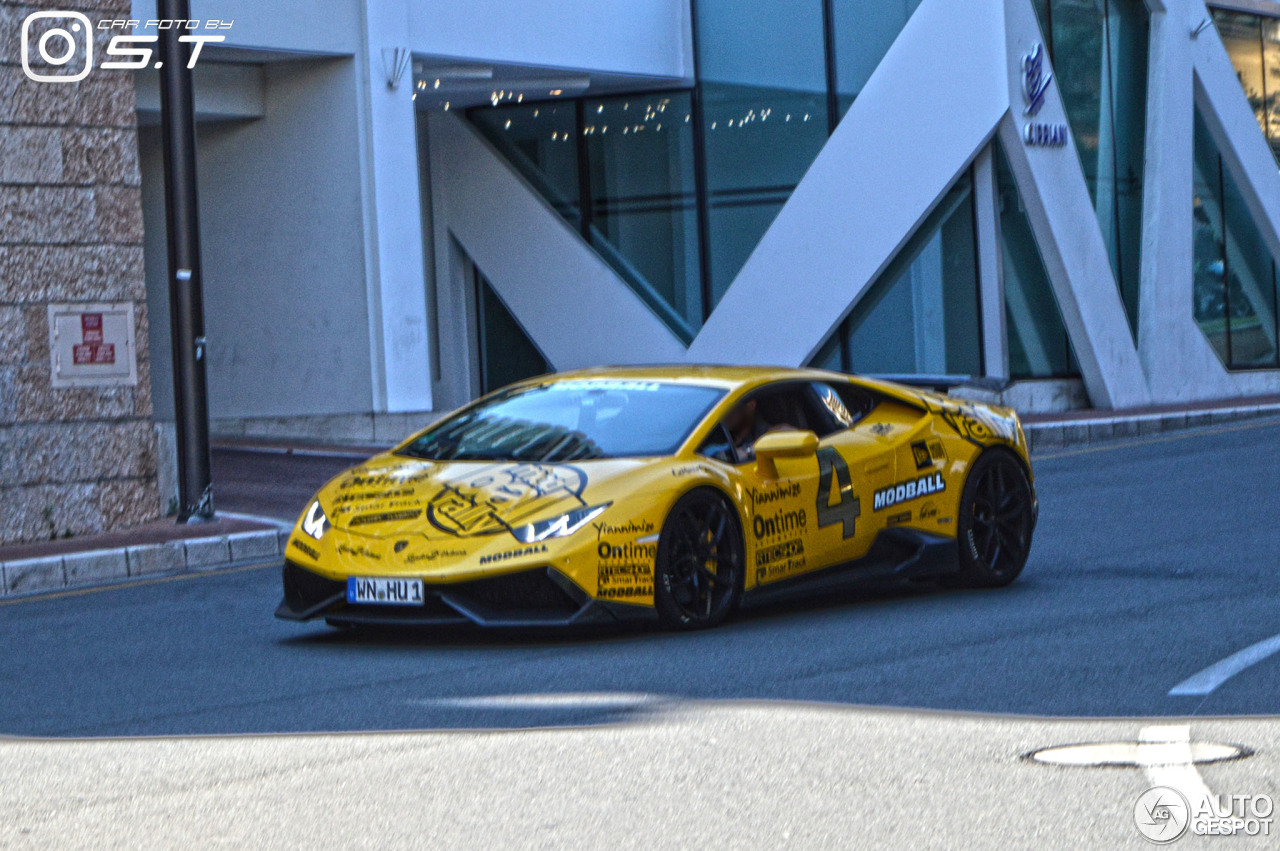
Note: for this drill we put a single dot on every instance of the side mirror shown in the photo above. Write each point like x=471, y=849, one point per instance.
x=783, y=444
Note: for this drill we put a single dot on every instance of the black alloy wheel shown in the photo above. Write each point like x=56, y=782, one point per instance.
x=997, y=516
x=698, y=574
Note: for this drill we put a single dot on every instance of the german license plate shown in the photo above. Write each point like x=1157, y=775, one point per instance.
x=384, y=592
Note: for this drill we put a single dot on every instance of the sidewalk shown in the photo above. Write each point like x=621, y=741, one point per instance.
x=159, y=548
x=1081, y=428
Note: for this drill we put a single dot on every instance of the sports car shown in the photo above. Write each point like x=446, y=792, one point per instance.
x=675, y=494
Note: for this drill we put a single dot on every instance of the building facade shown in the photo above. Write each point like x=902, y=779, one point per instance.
x=77, y=442
x=406, y=203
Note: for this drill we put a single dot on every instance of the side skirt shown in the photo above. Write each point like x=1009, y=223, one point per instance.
x=895, y=554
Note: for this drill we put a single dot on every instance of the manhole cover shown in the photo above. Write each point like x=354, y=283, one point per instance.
x=1138, y=754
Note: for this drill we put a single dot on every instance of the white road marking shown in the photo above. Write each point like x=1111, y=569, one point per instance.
x=588, y=700
x=282, y=525
x=1164, y=752
x=1218, y=673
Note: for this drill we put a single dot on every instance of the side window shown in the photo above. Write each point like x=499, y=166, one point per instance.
x=785, y=405
x=717, y=446
x=802, y=405
x=847, y=404
x=817, y=407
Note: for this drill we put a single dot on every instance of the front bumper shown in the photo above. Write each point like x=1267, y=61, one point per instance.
x=538, y=597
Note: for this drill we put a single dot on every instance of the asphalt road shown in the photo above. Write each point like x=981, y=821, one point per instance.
x=1152, y=560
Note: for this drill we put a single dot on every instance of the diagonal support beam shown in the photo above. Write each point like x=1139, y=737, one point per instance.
x=913, y=130
x=1052, y=186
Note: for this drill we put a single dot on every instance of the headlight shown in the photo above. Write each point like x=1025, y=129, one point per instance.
x=314, y=523
x=558, y=527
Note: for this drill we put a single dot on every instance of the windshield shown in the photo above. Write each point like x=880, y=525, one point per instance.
x=571, y=421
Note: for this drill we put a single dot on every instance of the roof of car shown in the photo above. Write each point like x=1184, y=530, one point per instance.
x=709, y=374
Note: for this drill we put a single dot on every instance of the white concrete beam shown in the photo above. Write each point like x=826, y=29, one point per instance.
x=1062, y=216
x=393, y=218
x=995, y=342
x=646, y=38
x=1179, y=362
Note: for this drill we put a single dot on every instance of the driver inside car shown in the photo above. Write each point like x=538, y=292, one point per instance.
x=745, y=427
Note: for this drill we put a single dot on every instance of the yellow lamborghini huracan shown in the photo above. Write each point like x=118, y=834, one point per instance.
x=675, y=493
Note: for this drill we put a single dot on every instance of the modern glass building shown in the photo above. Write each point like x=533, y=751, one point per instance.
x=408, y=203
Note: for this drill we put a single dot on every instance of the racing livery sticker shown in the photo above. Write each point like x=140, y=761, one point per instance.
x=495, y=499
x=835, y=483
x=763, y=497
x=779, y=560
x=920, y=452
x=304, y=547
x=359, y=551
x=625, y=570
x=434, y=555
x=908, y=490
x=979, y=426
x=510, y=554
x=384, y=517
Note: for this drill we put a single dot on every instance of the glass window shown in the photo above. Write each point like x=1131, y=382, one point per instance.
x=1038, y=342
x=832, y=354
x=1099, y=52
x=762, y=72
x=644, y=213
x=921, y=316
x=570, y=421
x=629, y=159
x=1271, y=81
x=507, y=354
x=538, y=139
x=1234, y=272
x=784, y=405
x=677, y=198
x=863, y=31
x=1253, y=43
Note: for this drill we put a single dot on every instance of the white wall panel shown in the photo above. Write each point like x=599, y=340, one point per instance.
x=642, y=37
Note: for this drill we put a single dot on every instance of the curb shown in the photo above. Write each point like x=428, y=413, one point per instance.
x=105, y=567
x=1094, y=430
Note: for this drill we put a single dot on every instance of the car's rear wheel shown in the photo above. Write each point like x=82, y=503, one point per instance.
x=698, y=571
x=997, y=515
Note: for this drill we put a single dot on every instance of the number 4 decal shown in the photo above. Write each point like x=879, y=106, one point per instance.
x=847, y=508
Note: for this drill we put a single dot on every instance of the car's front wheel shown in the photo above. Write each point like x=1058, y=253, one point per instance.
x=997, y=515
x=698, y=571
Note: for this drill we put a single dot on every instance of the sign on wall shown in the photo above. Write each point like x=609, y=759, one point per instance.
x=92, y=345
x=1036, y=78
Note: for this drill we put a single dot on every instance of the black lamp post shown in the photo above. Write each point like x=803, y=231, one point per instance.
x=186, y=303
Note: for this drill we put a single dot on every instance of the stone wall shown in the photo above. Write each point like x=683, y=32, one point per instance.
x=72, y=461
